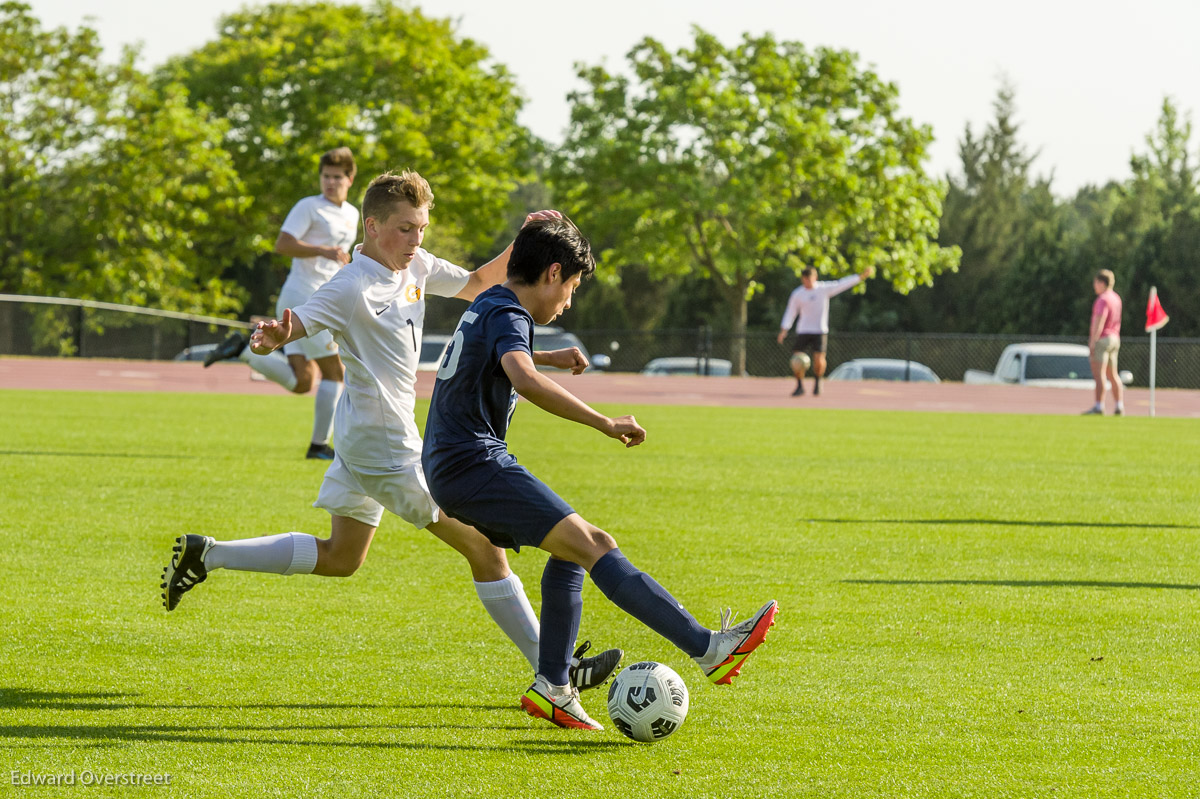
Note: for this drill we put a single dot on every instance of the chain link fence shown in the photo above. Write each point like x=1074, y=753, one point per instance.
x=47, y=326
x=948, y=355
x=53, y=326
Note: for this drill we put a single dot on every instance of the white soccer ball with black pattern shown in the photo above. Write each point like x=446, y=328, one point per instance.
x=648, y=701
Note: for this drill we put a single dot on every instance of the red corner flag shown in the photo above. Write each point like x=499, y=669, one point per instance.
x=1156, y=317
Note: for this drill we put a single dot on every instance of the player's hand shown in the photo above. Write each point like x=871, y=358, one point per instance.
x=337, y=254
x=782, y=335
x=569, y=358
x=866, y=273
x=547, y=214
x=626, y=430
x=270, y=336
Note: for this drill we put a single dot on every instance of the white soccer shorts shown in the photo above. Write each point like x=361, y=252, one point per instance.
x=363, y=492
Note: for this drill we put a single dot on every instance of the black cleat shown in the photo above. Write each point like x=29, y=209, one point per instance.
x=186, y=568
x=319, y=452
x=231, y=347
x=816, y=388
x=592, y=672
x=799, y=392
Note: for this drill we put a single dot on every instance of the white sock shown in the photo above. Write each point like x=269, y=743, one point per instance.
x=327, y=396
x=508, y=606
x=1099, y=406
x=274, y=367
x=286, y=553
x=1121, y=405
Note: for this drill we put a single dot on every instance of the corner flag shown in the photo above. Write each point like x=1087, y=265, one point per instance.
x=1156, y=317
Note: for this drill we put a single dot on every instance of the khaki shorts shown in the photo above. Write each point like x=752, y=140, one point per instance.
x=1105, y=351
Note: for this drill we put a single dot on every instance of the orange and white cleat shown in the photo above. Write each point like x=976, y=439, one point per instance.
x=557, y=704
x=732, y=644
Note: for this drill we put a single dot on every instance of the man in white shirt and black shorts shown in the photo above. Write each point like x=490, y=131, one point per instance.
x=319, y=234
x=375, y=307
x=808, y=309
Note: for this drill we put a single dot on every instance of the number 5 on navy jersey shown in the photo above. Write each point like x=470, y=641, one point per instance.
x=454, y=351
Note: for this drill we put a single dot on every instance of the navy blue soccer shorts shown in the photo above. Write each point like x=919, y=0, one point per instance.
x=513, y=508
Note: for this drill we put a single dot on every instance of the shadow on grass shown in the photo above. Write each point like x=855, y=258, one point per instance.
x=108, y=735
x=1017, y=523
x=134, y=455
x=1033, y=583
x=59, y=700
x=115, y=734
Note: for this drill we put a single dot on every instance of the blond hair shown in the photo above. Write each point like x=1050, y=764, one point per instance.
x=1106, y=277
x=389, y=190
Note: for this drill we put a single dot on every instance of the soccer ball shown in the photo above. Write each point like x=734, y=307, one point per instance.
x=801, y=360
x=648, y=701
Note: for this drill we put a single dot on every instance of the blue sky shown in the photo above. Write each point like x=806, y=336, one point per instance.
x=1089, y=77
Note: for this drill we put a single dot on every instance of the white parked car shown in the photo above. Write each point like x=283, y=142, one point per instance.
x=884, y=369
x=1042, y=364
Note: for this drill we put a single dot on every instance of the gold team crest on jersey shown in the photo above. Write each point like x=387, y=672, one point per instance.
x=412, y=294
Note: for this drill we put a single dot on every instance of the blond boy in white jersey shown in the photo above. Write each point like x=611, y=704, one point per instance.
x=375, y=307
x=319, y=234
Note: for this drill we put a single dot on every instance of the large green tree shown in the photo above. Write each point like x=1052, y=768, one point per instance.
x=399, y=88
x=727, y=161
x=1147, y=229
x=985, y=215
x=110, y=189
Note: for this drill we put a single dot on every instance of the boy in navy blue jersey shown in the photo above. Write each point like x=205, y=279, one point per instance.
x=473, y=477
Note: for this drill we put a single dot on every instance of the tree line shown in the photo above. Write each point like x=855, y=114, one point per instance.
x=707, y=177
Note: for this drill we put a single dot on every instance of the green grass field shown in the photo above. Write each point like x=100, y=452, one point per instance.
x=969, y=606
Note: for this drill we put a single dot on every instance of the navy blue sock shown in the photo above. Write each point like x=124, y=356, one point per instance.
x=562, y=605
x=637, y=593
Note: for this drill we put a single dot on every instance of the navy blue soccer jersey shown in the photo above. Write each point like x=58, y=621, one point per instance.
x=473, y=398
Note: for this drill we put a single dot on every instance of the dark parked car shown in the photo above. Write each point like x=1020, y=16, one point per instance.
x=689, y=365
x=884, y=369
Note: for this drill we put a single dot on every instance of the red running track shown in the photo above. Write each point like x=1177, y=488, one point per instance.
x=85, y=374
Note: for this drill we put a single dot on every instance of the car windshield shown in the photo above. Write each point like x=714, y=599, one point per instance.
x=1057, y=367
x=894, y=372
x=557, y=341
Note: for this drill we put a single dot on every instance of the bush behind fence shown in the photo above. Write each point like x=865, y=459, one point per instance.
x=44, y=329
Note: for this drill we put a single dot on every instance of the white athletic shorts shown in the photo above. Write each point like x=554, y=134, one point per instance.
x=362, y=492
x=315, y=347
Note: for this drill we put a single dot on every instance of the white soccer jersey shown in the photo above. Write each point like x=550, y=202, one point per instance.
x=376, y=316
x=315, y=220
x=809, y=308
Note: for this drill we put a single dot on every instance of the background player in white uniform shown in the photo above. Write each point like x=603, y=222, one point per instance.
x=318, y=233
x=808, y=308
x=375, y=307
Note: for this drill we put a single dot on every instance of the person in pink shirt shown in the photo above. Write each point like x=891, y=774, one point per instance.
x=1104, y=339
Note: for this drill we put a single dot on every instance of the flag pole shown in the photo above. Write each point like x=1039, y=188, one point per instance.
x=1153, y=361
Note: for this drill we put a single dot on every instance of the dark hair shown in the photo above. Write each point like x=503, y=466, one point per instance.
x=389, y=190
x=808, y=270
x=543, y=242
x=339, y=158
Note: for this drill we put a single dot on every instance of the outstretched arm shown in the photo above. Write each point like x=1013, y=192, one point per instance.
x=553, y=398
x=569, y=358
x=495, y=271
x=270, y=336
